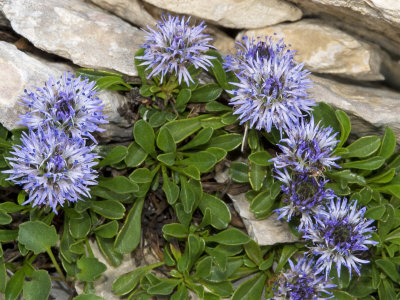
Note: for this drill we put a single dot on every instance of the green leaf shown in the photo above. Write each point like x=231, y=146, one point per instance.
x=88, y=297
x=227, y=142
x=201, y=138
x=372, y=163
x=345, y=126
x=140, y=68
x=167, y=158
x=217, y=106
x=239, y=172
x=187, y=196
x=39, y=287
x=107, y=230
x=165, y=141
x=261, y=158
x=170, y=189
x=106, y=247
x=287, y=252
x=181, y=293
x=363, y=147
x=393, y=189
x=108, y=208
x=136, y=155
x=388, y=143
x=251, y=289
x=90, y=269
x=388, y=268
x=183, y=98
x=230, y=236
x=219, y=73
x=253, y=251
x=116, y=155
x=223, y=289
x=164, y=287
x=383, y=177
x=115, y=83
x=119, y=184
x=127, y=282
x=144, y=136
x=8, y=235
x=183, y=128
x=142, y=175
x=375, y=213
x=176, y=230
x=218, y=153
x=220, y=214
x=340, y=295
x=386, y=291
x=158, y=118
x=4, y=218
x=325, y=114
x=256, y=176
x=206, y=93
x=191, y=172
x=37, y=236
x=202, y=160
x=193, y=250
x=129, y=236
x=15, y=285
x=79, y=227
x=262, y=204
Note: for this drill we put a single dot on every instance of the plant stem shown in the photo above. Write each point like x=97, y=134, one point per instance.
x=55, y=263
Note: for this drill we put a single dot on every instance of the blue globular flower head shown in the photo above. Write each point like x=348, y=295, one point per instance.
x=272, y=87
x=70, y=103
x=303, y=196
x=339, y=235
x=308, y=148
x=52, y=167
x=174, y=46
x=302, y=283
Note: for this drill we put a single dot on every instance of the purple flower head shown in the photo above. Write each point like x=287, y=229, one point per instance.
x=308, y=148
x=272, y=88
x=302, y=283
x=70, y=104
x=174, y=46
x=303, y=195
x=52, y=167
x=339, y=235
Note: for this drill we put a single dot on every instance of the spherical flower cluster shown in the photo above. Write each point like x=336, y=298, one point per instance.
x=69, y=103
x=52, y=167
x=174, y=46
x=272, y=87
x=339, y=235
x=308, y=148
x=303, y=195
x=54, y=162
x=301, y=283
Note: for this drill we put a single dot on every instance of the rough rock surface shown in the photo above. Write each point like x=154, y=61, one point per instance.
x=268, y=231
x=19, y=71
x=370, y=109
x=378, y=20
x=130, y=10
x=234, y=13
x=326, y=49
x=78, y=31
x=134, y=12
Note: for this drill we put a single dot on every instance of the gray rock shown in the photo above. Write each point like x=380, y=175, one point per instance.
x=268, y=231
x=135, y=12
x=376, y=20
x=77, y=30
x=19, y=71
x=326, y=49
x=132, y=11
x=3, y=20
x=370, y=109
x=234, y=13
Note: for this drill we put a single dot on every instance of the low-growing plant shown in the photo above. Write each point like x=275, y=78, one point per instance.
x=196, y=114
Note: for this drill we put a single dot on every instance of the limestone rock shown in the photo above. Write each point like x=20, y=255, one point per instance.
x=326, y=49
x=77, y=30
x=234, y=13
x=268, y=231
x=19, y=71
x=129, y=10
x=374, y=19
x=370, y=109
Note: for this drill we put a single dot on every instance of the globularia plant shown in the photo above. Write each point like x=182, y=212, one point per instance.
x=160, y=189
